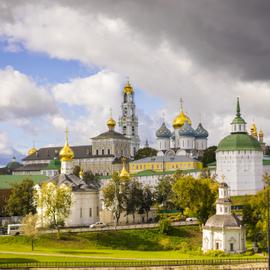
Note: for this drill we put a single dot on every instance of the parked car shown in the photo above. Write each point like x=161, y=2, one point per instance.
x=98, y=224
x=191, y=219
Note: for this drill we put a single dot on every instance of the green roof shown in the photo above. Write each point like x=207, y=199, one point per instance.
x=54, y=164
x=150, y=172
x=266, y=162
x=238, y=120
x=239, y=141
x=6, y=181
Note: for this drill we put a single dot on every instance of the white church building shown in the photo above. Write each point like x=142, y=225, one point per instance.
x=224, y=231
x=85, y=198
x=239, y=158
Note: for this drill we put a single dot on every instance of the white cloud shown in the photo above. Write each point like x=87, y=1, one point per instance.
x=5, y=148
x=20, y=97
x=113, y=44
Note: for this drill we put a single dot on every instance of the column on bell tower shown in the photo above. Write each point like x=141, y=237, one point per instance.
x=128, y=121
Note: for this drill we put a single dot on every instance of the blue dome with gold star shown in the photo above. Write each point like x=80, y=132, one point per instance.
x=187, y=130
x=201, y=132
x=163, y=132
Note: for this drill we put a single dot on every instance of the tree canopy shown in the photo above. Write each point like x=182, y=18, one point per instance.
x=21, y=200
x=145, y=152
x=55, y=201
x=209, y=155
x=196, y=196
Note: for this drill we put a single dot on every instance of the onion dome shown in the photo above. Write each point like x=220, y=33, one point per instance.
x=163, y=132
x=253, y=130
x=179, y=121
x=124, y=173
x=261, y=133
x=66, y=153
x=128, y=89
x=201, y=132
x=187, y=130
x=81, y=173
x=111, y=123
x=32, y=151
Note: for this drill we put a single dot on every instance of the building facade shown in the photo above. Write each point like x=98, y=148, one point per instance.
x=224, y=231
x=184, y=139
x=240, y=159
x=85, y=198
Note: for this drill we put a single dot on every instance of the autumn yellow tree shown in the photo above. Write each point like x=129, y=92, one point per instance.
x=29, y=227
x=55, y=202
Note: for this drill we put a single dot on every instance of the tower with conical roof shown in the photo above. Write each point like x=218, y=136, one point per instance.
x=128, y=121
x=224, y=230
x=240, y=158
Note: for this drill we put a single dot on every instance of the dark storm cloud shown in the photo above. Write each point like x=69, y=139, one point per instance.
x=231, y=36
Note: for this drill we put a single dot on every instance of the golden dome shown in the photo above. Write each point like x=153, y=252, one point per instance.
x=124, y=173
x=81, y=173
x=32, y=151
x=66, y=153
x=128, y=89
x=261, y=133
x=180, y=120
x=111, y=123
x=253, y=130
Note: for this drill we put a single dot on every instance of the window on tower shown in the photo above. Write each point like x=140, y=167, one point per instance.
x=133, y=130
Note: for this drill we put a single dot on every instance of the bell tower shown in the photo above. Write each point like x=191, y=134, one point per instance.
x=128, y=122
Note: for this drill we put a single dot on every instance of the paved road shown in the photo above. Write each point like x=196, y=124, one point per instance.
x=122, y=227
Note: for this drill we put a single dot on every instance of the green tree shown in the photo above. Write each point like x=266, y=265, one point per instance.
x=30, y=227
x=21, y=200
x=196, y=196
x=255, y=217
x=76, y=170
x=165, y=226
x=209, y=155
x=134, y=197
x=266, y=179
x=163, y=192
x=91, y=179
x=114, y=194
x=55, y=201
x=147, y=201
x=145, y=152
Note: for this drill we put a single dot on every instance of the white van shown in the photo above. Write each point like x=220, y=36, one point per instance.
x=14, y=229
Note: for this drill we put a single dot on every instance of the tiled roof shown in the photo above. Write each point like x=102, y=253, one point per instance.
x=164, y=159
x=220, y=221
x=49, y=153
x=32, y=167
x=111, y=134
x=75, y=182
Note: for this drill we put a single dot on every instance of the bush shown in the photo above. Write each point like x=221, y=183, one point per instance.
x=215, y=253
x=165, y=226
x=166, y=243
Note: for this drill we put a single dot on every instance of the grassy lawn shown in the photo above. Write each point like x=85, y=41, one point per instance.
x=181, y=243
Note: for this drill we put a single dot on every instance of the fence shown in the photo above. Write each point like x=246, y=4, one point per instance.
x=142, y=263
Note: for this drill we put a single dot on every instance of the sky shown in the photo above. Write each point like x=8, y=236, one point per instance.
x=64, y=63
